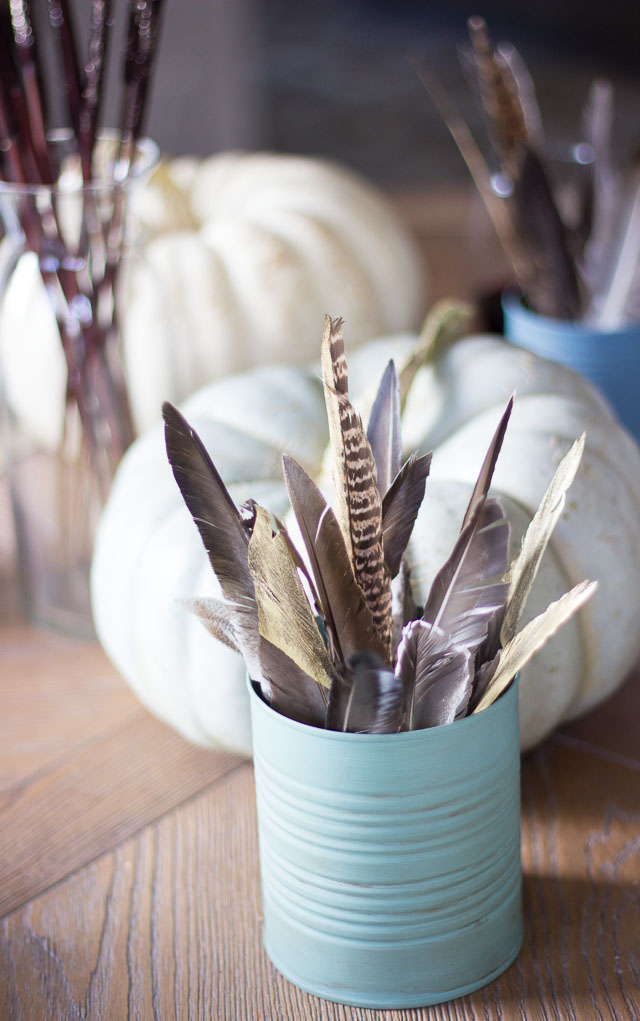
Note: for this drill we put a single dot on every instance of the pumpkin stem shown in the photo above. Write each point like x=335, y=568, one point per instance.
x=446, y=323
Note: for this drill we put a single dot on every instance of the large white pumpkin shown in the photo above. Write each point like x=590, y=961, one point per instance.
x=239, y=258
x=149, y=554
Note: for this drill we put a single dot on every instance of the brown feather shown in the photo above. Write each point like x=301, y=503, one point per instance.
x=358, y=503
x=503, y=110
x=348, y=621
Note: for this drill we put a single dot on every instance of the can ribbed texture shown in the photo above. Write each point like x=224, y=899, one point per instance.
x=390, y=863
x=610, y=359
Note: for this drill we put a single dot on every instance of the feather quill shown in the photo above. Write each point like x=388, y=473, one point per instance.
x=365, y=697
x=464, y=595
x=435, y=675
x=524, y=568
x=400, y=508
x=284, y=615
x=517, y=653
x=224, y=535
x=348, y=621
x=384, y=431
x=359, y=508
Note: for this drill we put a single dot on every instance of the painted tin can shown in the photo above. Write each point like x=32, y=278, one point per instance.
x=390, y=863
x=608, y=358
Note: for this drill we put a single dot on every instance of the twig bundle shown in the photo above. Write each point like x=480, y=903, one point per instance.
x=79, y=269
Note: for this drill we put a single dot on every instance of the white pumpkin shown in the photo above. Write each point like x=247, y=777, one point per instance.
x=148, y=553
x=242, y=254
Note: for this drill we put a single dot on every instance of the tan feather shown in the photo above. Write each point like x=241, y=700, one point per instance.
x=284, y=615
x=524, y=568
x=517, y=653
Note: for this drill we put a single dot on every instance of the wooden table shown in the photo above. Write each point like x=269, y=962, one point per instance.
x=129, y=869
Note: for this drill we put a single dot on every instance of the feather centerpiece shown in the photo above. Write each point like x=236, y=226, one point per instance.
x=576, y=260
x=336, y=640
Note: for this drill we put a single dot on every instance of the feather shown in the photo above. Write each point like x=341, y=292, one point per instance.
x=499, y=207
x=218, y=617
x=223, y=533
x=384, y=431
x=483, y=483
x=336, y=385
x=284, y=615
x=552, y=287
x=400, y=508
x=365, y=697
x=347, y=618
x=403, y=606
x=359, y=508
x=292, y=692
x=524, y=568
x=551, y=283
x=623, y=265
x=490, y=644
x=598, y=120
x=435, y=675
x=517, y=653
x=463, y=597
x=518, y=79
x=500, y=99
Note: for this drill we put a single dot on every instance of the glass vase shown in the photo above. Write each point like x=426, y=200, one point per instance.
x=65, y=406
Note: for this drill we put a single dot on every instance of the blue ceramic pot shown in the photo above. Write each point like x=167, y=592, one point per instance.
x=608, y=358
x=390, y=863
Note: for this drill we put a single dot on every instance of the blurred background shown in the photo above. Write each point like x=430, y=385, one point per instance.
x=335, y=79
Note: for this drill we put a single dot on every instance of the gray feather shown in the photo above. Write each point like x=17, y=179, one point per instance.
x=384, y=431
x=348, y=621
x=222, y=530
x=483, y=482
x=292, y=692
x=400, y=508
x=464, y=595
x=435, y=675
x=365, y=698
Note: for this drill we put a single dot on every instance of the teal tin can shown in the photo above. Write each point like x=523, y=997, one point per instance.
x=391, y=871
x=610, y=359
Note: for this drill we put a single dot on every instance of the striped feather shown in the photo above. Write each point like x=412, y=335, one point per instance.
x=358, y=503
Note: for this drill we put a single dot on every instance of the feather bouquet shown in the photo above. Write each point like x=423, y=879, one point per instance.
x=331, y=633
x=576, y=260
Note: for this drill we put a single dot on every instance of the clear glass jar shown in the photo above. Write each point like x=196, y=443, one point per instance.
x=66, y=414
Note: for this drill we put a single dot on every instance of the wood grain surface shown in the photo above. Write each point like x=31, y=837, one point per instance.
x=129, y=883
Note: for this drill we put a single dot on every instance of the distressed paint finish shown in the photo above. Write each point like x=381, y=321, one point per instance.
x=390, y=863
